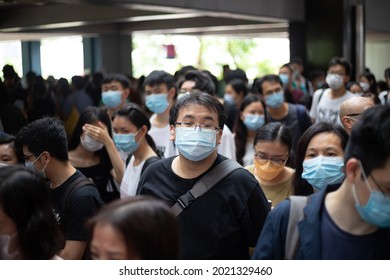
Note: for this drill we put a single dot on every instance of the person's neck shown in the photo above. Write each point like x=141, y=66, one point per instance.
x=250, y=135
x=340, y=205
x=336, y=93
x=83, y=153
x=162, y=119
x=188, y=169
x=111, y=111
x=143, y=152
x=61, y=171
x=278, y=113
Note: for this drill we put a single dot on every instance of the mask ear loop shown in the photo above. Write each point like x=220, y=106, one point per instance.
x=365, y=180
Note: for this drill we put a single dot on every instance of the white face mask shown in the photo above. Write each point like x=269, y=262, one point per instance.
x=334, y=81
x=5, y=242
x=90, y=144
x=365, y=86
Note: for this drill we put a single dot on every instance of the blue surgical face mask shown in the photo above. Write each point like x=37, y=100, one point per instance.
x=126, y=142
x=322, y=171
x=254, y=122
x=285, y=78
x=228, y=98
x=157, y=102
x=30, y=165
x=112, y=98
x=275, y=100
x=377, y=210
x=195, y=144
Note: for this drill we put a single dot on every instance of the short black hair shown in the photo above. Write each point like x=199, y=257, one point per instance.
x=239, y=86
x=343, y=62
x=158, y=77
x=198, y=98
x=301, y=186
x=236, y=74
x=117, y=77
x=369, y=141
x=203, y=82
x=267, y=78
x=45, y=134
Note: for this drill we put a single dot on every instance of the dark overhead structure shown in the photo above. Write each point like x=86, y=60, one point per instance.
x=318, y=29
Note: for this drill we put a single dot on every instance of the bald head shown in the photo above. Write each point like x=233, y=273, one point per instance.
x=351, y=108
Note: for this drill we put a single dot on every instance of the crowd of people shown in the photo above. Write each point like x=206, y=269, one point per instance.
x=185, y=166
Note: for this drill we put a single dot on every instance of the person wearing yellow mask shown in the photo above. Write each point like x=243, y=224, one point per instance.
x=272, y=144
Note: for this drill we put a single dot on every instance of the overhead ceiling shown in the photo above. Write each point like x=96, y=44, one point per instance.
x=35, y=19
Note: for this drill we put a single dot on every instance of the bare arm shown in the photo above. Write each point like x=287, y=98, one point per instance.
x=74, y=250
x=100, y=134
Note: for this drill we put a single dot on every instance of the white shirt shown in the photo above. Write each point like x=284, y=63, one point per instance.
x=160, y=136
x=249, y=154
x=130, y=179
x=327, y=109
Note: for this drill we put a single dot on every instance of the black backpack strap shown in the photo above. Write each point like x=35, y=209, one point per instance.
x=297, y=203
x=213, y=177
x=148, y=162
x=303, y=120
x=78, y=183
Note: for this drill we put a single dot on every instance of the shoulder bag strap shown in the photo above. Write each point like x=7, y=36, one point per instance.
x=208, y=181
x=79, y=182
x=297, y=203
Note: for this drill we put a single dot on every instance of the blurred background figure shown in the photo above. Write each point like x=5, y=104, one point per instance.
x=250, y=119
x=138, y=228
x=28, y=228
x=8, y=154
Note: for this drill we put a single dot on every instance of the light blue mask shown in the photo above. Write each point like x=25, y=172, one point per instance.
x=126, y=142
x=322, y=171
x=377, y=210
x=30, y=165
x=228, y=98
x=275, y=100
x=285, y=78
x=254, y=122
x=112, y=98
x=195, y=144
x=157, y=102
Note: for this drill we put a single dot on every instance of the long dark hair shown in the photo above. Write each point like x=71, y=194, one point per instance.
x=137, y=116
x=301, y=186
x=148, y=226
x=89, y=116
x=25, y=198
x=240, y=130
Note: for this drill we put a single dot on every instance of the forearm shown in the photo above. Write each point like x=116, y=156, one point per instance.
x=116, y=160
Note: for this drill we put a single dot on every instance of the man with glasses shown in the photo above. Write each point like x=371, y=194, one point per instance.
x=225, y=221
x=326, y=103
x=44, y=146
x=351, y=110
x=347, y=221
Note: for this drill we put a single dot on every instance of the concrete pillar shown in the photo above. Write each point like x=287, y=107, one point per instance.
x=115, y=53
x=31, y=57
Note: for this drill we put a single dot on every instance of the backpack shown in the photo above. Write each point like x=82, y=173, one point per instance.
x=303, y=121
x=297, y=203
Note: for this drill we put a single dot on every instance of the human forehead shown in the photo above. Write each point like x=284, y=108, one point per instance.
x=112, y=85
x=188, y=85
x=337, y=69
x=325, y=140
x=273, y=148
x=270, y=86
x=7, y=150
x=254, y=106
x=108, y=240
x=284, y=70
x=121, y=122
x=197, y=112
x=156, y=88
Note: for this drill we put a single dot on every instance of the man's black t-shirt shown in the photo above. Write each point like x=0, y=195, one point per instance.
x=221, y=224
x=83, y=203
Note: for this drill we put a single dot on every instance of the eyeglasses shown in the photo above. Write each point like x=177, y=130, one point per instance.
x=194, y=125
x=263, y=158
